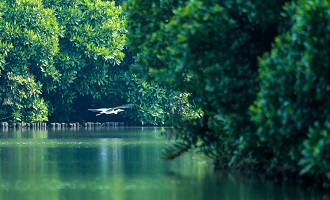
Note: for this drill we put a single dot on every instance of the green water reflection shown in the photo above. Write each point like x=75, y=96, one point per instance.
x=117, y=163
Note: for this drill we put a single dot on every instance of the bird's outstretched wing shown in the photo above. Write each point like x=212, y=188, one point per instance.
x=123, y=106
x=99, y=109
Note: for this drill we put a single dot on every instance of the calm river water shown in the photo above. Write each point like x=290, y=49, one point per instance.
x=118, y=163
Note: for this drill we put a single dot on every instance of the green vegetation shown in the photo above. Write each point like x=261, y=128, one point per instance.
x=60, y=57
x=91, y=46
x=256, y=69
x=29, y=42
x=292, y=108
x=244, y=82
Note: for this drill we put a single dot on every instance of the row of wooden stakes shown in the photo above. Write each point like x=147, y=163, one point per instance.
x=44, y=125
x=36, y=125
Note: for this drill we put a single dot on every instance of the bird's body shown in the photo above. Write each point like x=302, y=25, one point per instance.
x=107, y=112
x=114, y=110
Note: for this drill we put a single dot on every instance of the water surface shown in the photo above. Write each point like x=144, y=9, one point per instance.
x=118, y=163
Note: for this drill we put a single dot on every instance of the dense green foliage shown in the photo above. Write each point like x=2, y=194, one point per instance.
x=92, y=44
x=293, y=105
x=52, y=52
x=59, y=58
x=210, y=51
x=268, y=111
x=29, y=41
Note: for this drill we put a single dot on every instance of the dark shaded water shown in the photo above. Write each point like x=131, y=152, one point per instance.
x=118, y=163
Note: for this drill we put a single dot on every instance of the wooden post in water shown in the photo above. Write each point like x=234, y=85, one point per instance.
x=44, y=125
x=63, y=125
x=19, y=125
x=57, y=125
x=13, y=125
x=51, y=125
x=4, y=124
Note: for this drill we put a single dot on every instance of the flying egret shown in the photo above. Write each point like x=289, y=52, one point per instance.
x=114, y=110
x=107, y=112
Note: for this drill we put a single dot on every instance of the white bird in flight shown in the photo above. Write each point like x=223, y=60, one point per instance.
x=114, y=110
